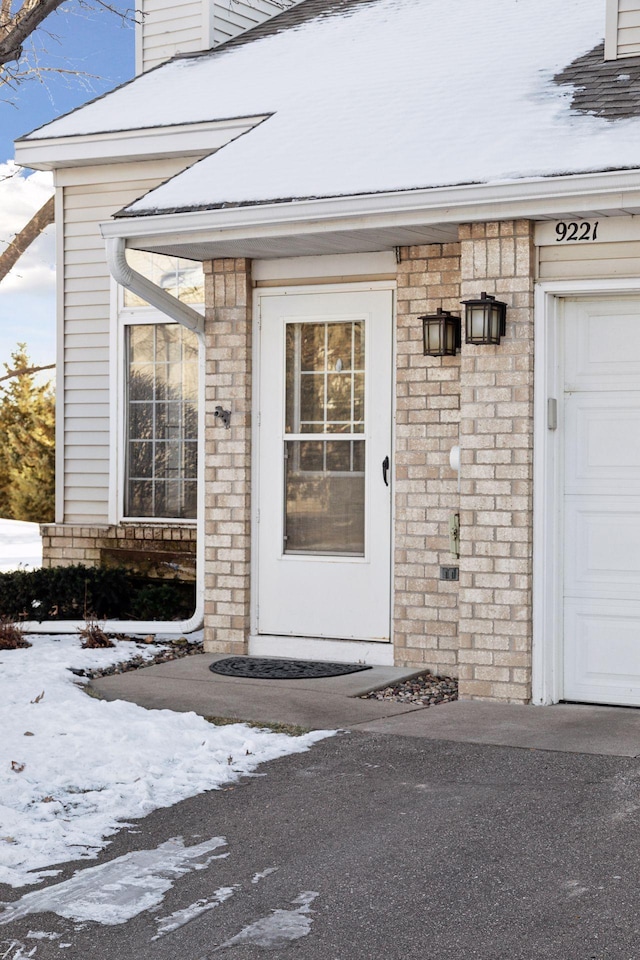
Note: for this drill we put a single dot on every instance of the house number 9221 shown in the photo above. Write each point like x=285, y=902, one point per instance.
x=573, y=232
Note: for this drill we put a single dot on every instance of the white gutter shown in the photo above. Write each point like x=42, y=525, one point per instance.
x=617, y=192
x=190, y=318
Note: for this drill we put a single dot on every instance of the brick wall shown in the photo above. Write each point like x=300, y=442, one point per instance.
x=479, y=628
x=496, y=433
x=426, y=491
x=155, y=549
x=227, y=455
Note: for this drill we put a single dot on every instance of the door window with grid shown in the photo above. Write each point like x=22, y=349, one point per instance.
x=161, y=461
x=324, y=446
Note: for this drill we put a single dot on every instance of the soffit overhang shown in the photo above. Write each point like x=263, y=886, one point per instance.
x=375, y=222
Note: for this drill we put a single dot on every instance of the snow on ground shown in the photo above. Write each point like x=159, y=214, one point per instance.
x=120, y=889
x=74, y=769
x=20, y=545
x=257, y=877
x=181, y=917
x=280, y=927
x=115, y=892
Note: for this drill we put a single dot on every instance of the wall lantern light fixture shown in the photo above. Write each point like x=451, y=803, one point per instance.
x=485, y=319
x=441, y=332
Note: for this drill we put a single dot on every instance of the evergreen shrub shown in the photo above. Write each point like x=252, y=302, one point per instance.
x=27, y=451
x=78, y=592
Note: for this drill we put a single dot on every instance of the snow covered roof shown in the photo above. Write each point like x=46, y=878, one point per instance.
x=369, y=96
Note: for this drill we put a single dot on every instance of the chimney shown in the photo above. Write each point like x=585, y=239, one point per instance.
x=164, y=30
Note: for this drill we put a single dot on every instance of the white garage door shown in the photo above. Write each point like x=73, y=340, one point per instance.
x=602, y=501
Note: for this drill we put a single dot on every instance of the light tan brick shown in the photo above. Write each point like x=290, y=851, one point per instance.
x=428, y=413
x=496, y=420
x=227, y=503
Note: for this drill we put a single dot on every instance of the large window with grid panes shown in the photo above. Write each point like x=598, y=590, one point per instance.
x=161, y=391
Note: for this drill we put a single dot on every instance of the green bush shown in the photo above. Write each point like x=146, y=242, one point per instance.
x=77, y=592
x=27, y=451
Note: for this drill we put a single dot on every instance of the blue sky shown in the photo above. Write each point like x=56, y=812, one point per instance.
x=93, y=43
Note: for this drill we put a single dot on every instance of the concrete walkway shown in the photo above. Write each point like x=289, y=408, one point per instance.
x=332, y=702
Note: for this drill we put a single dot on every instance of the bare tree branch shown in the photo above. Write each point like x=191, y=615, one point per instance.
x=24, y=371
x=5, y=11
x=25, y=238
x=16, y=28
x=19, y=59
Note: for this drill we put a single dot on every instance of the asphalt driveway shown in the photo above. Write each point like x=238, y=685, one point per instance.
x=376, y=846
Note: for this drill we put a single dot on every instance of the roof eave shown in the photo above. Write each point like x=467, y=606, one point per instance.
x=402, y=217
x=177, y=140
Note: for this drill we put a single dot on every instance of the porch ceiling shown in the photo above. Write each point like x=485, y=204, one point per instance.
x=299, y=244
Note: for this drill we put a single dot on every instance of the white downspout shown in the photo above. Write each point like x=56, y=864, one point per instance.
x=190, y=318
x=127, y=277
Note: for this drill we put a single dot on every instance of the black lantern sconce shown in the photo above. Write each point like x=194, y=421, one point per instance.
x=485, y=319
x=441, y=332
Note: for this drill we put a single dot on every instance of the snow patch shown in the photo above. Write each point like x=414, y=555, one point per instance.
x=179, y=918
x=14, y=950
x=574, y=889
x=90, y=766
x=116, y=891
x=20, y=546
x=278, y=929
x=257, y=877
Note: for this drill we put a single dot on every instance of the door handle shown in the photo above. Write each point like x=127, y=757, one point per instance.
x=385, y=470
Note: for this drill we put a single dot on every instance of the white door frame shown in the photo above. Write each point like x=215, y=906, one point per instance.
x=548, y=480
x=304, y=647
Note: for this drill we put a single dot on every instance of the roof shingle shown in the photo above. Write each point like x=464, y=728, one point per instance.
x=603, y=88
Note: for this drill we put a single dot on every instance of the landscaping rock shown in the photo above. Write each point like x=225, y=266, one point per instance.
x=425, y=690
x=172, y=650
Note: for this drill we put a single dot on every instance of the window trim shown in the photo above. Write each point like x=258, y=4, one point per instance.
x=612, y=14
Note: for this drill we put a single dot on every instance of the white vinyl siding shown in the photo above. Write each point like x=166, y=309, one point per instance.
x=96, y=194
x=170, y=27
x=618, y=259
x=623, y=29
x=232, y=17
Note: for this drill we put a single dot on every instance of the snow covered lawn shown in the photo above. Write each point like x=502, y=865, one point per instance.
x=74, y=769
x=20, y=545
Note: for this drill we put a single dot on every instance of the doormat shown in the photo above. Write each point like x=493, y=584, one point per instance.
x=266, y=668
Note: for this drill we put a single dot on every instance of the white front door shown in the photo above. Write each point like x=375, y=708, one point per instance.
x=324, y=476
x=602, y=500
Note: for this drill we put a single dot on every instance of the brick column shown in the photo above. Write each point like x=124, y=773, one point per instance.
x=496, y=433
x=426, y=489
x=227, y=455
